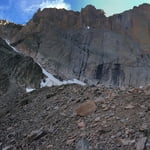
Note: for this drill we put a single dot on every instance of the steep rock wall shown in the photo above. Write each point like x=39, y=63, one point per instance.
x=113, y=51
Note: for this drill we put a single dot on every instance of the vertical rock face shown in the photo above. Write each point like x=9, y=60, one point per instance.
x=17, y=69
x=136, y=24
x=87, y=45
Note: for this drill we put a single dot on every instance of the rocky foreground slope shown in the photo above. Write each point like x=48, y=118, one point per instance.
x=90, y=46
x=73, y=117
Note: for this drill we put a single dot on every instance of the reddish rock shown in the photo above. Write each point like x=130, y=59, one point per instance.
x=86, y=108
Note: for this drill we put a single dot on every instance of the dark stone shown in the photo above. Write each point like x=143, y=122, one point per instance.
x=99, y=71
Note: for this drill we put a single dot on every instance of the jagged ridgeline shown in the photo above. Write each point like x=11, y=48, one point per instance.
x=87, y=45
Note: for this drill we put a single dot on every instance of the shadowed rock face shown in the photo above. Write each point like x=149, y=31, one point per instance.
x=89, y=46
x=16, y=69
x=8, y=30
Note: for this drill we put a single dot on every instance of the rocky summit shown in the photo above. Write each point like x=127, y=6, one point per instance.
x=98, y=68
x=87, y=45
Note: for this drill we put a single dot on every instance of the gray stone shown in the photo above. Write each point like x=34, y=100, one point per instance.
x=140, y=145
x=35, y=135
x=82, y=144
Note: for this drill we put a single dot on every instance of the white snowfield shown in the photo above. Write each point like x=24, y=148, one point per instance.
x=49, y=80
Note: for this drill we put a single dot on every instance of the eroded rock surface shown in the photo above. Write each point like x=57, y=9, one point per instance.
x=89, y=46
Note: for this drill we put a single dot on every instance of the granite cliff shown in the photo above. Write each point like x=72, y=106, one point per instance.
x=89, y=46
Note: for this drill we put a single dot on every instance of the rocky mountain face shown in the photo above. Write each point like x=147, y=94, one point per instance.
x=17, y=72
x=89, y=46
x=16, y=69
x=8, y=29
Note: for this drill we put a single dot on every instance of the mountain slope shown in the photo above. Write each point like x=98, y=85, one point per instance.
x=86, y=45
x=18, y=68
x=47, y=119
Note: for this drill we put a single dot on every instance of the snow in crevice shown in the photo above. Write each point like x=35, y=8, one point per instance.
x=12, y=46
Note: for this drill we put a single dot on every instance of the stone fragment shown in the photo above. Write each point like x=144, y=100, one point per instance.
x=130, y=106
x=86, y=108
x=70, y=141
x=35, y=135
x=81, y=124
x=82, y=144
x=140, y=145
x=143, y=127
x=49, y=146
x=126, y=142
x=147, y=91
x=97, y=119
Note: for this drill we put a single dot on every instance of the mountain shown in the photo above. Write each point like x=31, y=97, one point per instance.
x=87, y=45
x=23, y=71
x=57, y=45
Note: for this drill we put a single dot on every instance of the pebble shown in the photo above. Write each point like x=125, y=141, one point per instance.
x=97, y=119
x=81, y=124
x=130, y=106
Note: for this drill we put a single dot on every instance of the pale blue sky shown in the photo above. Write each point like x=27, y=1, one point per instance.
x=20, y=11
x=116, y=6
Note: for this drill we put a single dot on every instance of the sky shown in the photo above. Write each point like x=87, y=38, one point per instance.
x=21, y=11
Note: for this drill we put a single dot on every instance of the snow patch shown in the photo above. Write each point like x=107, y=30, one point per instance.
x=74, y=81
x=29, y=90
x=50, y=80
x=88, y=27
